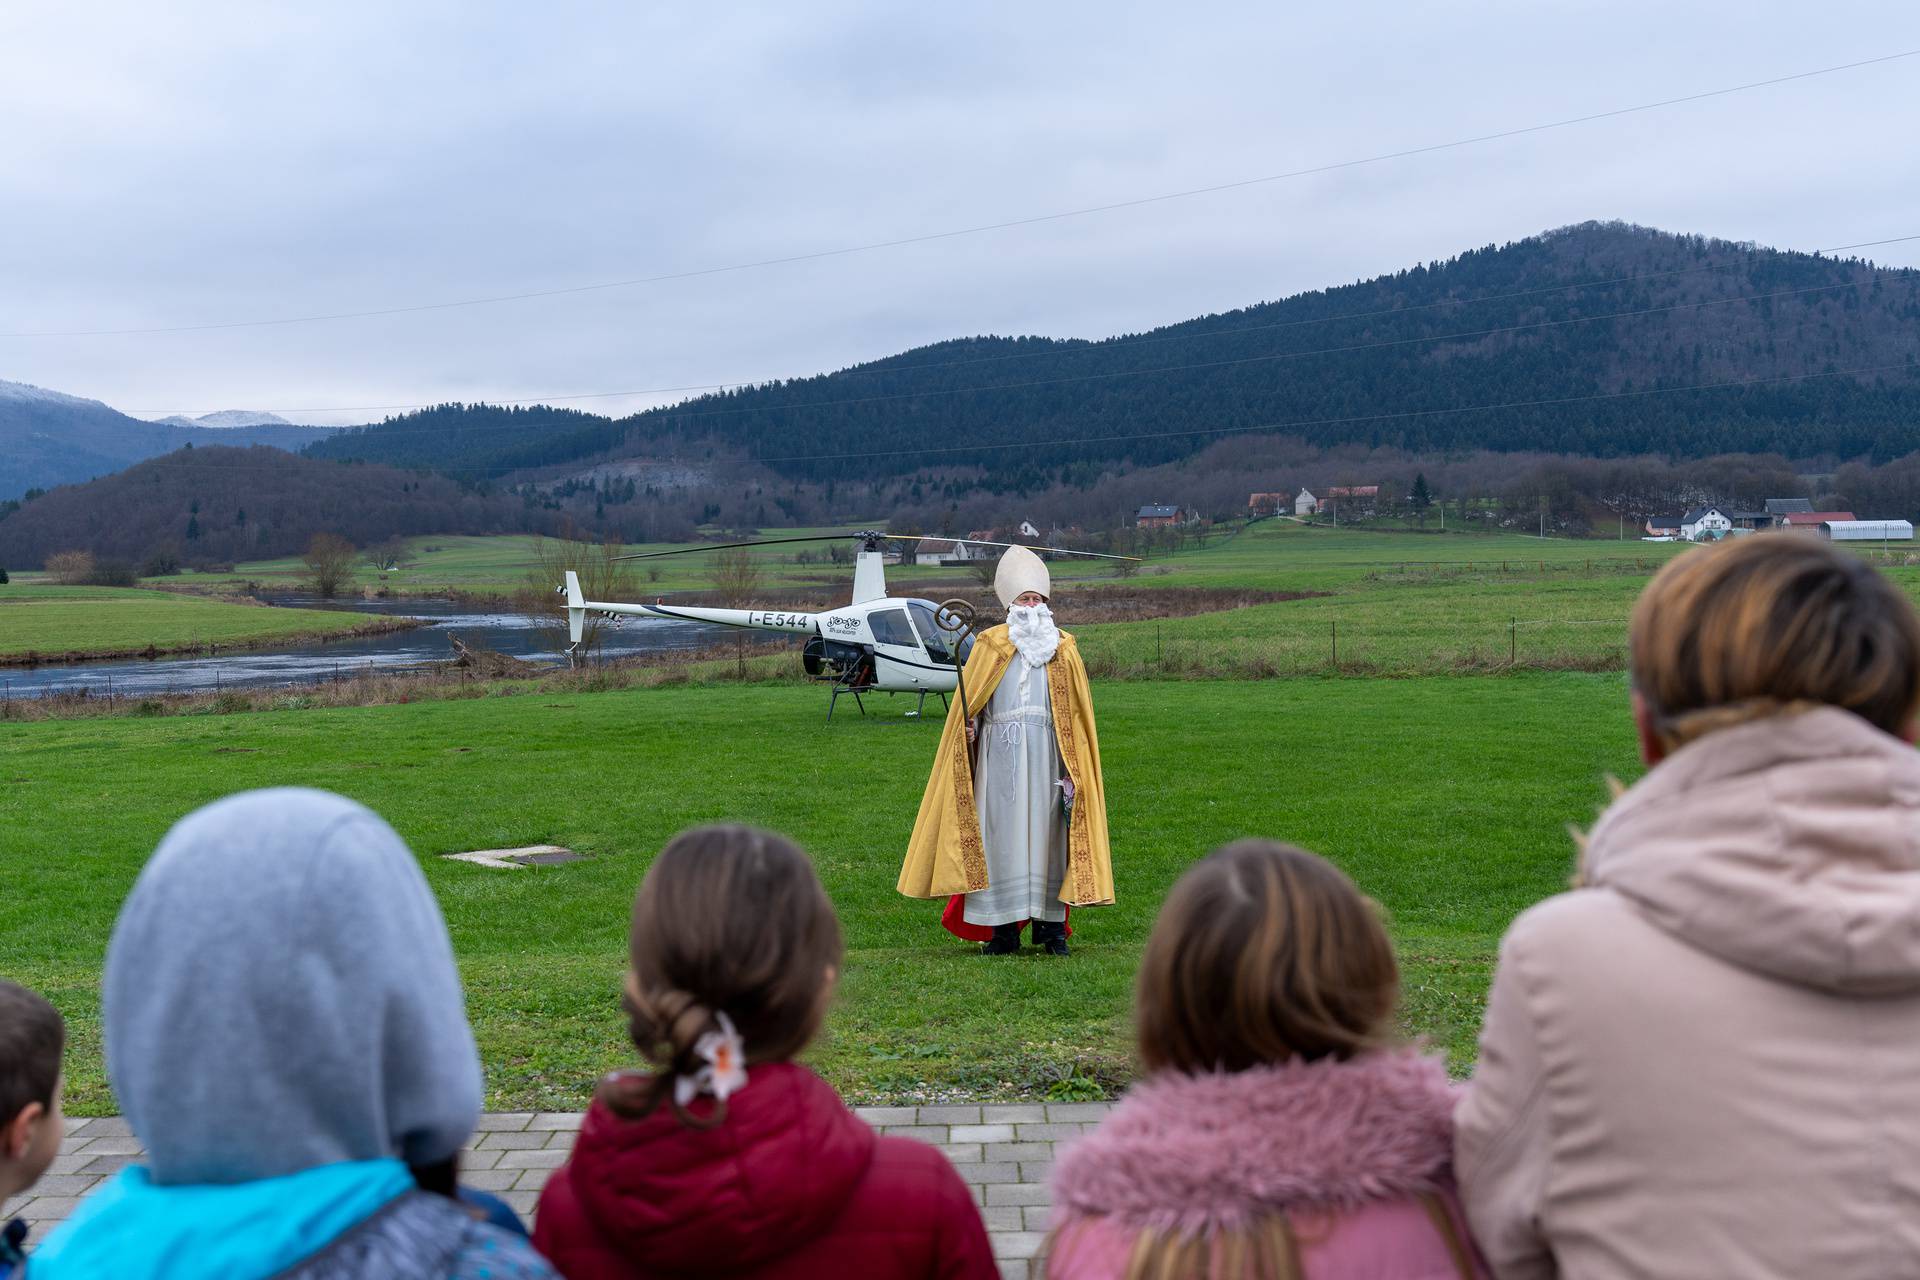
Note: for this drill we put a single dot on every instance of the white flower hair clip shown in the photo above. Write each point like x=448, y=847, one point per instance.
x=726, y=1070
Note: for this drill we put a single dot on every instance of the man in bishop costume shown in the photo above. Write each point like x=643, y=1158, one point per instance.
x=1013, y=825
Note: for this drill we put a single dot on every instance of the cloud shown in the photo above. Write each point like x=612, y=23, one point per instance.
x=202, y=163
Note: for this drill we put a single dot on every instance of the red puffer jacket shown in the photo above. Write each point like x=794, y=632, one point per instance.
x=792, y=1185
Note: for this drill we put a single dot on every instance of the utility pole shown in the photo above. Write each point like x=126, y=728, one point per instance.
x=1543, y=517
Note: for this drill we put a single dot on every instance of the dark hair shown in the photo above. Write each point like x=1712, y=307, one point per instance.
x=1767, y=624
x=1263, y=953
x=32, y=1038
x=732, y=920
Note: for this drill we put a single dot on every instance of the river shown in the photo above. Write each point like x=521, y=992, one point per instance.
x=509, y=633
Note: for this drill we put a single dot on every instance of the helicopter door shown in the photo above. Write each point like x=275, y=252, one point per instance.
x=894, y=638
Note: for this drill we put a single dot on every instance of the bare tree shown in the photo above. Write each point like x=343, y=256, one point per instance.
x=329, y=559
x=602, y=577
x=70, y=568
x=737, y=578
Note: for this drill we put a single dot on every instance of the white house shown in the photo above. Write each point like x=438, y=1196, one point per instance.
x=1305, y=504
x=1703, y=523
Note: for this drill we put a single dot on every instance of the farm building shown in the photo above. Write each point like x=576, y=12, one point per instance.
x=1702, y=523
x=1158, y=517
x=1867, y=530
x=947, y=551
x=1305, y=504
x=1663, y=526
x=1777, y=507
x=1268, y=504
x=1810, y=521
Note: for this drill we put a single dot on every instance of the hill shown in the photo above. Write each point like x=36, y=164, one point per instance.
x=221, y=504
x=49, y=438
x=1400, y=361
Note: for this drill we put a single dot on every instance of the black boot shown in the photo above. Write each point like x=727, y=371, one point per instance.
x=1006, y=941
x=1051, y=934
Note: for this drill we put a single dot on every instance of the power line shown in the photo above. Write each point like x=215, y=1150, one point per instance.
x=1270, y=428
x=1009, y=224
x=1069, y=348
x=673, y=415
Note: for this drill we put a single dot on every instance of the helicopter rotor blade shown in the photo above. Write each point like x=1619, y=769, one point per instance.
x=984, y=542
x=729, y=546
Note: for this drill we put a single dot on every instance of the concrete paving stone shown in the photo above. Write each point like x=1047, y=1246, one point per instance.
x=1013, y=1113
x=117, y=1126
x=504, y=1121
x=1075, y=1112
x=521, y=1202
x=11, y=1207
x=1018, y=1269
x=513, y=1141
x=1019, y=1193
x=475, y=1161
x=982, y=1133
x=888, y=1115
x=1005, y=1218
x=988, y=1173
x=67, y=1164
x=562, y=1139
x=1036, y=1171
x=950, y=1115
x=108, y=1145
x=963, y=1152
x=531, y=1159
x=549, y=1120
x=490, y=1179
x=48, y=1208
x=934, y=1133
x=1038, y=1217
x=1050, y=1132
x=979, y=1195
x=532, y=1179
x=1020, y=1151
x=98, y=1167
x=64, y=1185
x=1017, y=1244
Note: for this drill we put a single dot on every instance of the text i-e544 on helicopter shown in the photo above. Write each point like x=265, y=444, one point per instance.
x=875, y=643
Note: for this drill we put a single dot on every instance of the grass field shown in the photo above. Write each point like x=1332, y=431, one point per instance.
x=1445, y=797
x=53, y=621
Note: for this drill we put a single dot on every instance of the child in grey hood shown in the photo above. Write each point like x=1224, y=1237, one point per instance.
x=286, y=1034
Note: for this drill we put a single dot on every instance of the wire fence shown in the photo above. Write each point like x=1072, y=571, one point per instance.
x=1360, y=649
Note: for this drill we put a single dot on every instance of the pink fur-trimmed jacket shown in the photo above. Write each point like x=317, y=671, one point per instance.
x=1356, y=1155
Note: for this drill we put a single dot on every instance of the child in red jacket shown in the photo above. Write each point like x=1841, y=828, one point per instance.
x=724, y=1156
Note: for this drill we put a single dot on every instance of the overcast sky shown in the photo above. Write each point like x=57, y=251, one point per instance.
x=194, y=164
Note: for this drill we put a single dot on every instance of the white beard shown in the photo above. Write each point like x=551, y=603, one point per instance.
x=1033, y=633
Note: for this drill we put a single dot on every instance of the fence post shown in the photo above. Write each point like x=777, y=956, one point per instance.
x=1159, y=650
x=1513, y=641
x=1336, y=645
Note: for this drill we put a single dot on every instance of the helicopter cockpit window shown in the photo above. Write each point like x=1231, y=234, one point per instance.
x=936, y=640
x=890, y=626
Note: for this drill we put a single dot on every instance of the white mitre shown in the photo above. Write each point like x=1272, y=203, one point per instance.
x=1021, y=571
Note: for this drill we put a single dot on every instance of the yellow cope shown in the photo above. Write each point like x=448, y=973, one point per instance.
x=945, y=855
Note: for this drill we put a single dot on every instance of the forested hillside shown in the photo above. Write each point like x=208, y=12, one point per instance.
x=1571, y=325
x=221, y=505
x=49, y=438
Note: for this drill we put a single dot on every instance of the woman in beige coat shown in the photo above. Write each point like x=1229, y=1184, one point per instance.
x=1705, y=1061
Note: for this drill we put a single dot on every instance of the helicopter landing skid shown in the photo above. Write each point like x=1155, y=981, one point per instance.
x=840, y=688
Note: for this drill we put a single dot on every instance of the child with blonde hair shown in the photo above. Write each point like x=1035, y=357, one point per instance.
x=1282, y=1132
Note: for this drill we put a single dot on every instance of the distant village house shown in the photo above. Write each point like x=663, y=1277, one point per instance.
x=1305, y=504
x=1810, y=521
x=1159, y=517
x=1268, y=504
x=1704, y=524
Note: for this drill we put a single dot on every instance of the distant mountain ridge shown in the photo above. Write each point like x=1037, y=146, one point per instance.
x=50, y=438
x=228, y=418
x=1570, y=326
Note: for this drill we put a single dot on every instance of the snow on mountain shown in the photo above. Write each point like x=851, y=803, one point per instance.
x=228, y=418
x=27, y=392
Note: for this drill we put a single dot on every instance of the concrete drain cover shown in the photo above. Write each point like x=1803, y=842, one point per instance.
x=533, y=855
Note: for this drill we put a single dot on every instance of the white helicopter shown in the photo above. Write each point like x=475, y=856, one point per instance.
x=875, y=643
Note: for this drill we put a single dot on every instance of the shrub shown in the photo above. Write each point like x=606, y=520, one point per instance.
x=70, y=568
x=112, y=573
x=160, y=564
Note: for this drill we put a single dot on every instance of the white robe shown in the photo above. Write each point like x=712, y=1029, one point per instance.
x=1016, y=784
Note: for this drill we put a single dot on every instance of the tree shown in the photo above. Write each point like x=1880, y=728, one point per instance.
x=394, y=553
x=329, y=560
x=738, y=579
x=1422, y=496
x=70, y=568
x=602, y=577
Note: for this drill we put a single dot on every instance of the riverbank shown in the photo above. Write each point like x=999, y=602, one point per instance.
x=41, y=625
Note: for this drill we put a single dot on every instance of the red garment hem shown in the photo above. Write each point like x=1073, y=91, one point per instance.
x=954, y=921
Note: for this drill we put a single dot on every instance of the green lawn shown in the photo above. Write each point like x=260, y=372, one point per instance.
x=51, y=621
x=1446, y=798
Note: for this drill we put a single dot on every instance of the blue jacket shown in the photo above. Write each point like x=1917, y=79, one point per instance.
x=356, y=1220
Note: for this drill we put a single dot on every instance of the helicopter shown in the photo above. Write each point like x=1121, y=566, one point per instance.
x=875, y=643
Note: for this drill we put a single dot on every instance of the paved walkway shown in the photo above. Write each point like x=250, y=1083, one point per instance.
x=1004, y=1153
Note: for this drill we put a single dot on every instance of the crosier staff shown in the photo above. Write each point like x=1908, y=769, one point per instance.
x=955, y=617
